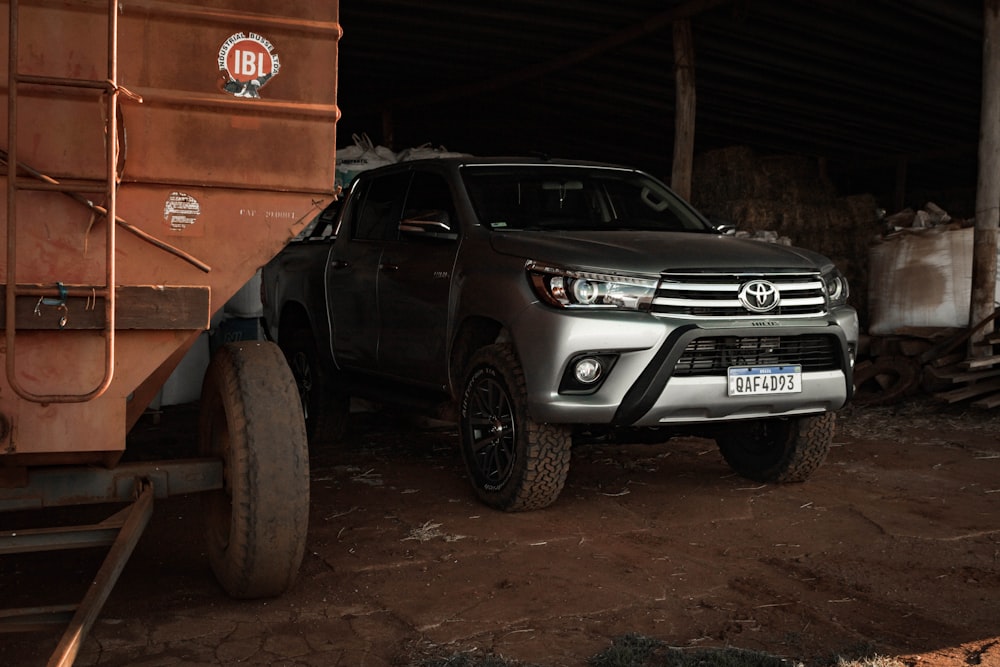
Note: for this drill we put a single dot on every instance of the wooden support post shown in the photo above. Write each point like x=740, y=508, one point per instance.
x=684, y=120
x=899, y=199
x=984, y=258
x=388, y=129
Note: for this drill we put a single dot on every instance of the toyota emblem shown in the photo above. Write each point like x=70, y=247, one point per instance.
x=759, y=296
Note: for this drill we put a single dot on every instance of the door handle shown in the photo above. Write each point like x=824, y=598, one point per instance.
x=388, y=267
x=339, y=264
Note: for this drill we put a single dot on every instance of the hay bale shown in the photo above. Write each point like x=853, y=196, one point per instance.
x=788, y=195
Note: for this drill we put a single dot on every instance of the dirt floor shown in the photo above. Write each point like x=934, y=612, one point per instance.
x=892, y=548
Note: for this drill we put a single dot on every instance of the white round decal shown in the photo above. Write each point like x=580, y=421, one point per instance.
x=181, y=211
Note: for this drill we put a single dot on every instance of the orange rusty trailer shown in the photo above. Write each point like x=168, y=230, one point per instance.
x=157, y=153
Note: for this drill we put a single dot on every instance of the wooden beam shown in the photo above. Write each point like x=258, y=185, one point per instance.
x=984, y=257
x=137, y=307
x=684, y=116
x=388, y=130
x=899, y=198
x=616, y=40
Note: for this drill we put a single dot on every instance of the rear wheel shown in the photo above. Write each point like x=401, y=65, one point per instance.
x=778, y=450
x=324, y=407
x=251, y=418
x=514, y=463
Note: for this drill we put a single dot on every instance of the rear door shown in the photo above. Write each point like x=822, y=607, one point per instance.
x=371, y=217
x=415, y=276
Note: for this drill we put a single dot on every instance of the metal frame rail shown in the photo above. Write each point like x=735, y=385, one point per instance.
x=133, y=483
x=121, y=531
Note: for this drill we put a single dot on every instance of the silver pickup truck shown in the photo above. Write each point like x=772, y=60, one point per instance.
x=538, y=302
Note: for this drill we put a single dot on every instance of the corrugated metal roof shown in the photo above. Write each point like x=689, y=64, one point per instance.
x=859, y=83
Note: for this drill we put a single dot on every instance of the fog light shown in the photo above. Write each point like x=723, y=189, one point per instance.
x=588, y=370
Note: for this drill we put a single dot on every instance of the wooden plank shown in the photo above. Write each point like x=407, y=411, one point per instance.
x=980, y=362
x=928, y=333
x=948, y=360
x=988, y=401
x=138, y=307
x=955, y=375
x=157, y=307
x=970, y=391
x=951, y=344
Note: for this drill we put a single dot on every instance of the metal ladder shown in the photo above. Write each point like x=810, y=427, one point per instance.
x=22, y=177
x=119, y=532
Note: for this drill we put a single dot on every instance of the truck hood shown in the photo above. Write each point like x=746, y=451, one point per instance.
x=653, y=252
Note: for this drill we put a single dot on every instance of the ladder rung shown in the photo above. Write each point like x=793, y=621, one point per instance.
x=65, y=82
x=62, y=186
x=34, y=619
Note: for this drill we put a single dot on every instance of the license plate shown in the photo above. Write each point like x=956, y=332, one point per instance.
x=764, y=380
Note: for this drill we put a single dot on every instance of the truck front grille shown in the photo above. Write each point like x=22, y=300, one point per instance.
x=701, y=295
x=713, y=355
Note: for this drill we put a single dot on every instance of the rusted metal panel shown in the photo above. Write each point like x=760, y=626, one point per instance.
x=225, y=120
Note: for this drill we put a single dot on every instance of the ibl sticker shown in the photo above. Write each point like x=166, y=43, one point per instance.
x=247, y=61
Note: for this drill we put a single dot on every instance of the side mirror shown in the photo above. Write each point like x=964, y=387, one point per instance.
x=723, y=226
x=434, y=223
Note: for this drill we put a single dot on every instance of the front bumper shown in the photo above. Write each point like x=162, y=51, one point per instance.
x=642, y=389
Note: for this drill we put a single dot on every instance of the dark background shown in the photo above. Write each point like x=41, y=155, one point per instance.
x=878, y=92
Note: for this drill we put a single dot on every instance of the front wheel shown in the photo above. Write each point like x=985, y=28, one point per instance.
x=778, y=450
x=514, y=463
x=251, y=418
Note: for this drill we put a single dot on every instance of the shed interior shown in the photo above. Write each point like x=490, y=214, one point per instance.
x=884, y=94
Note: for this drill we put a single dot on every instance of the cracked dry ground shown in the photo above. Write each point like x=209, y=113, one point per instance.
x=893, y=547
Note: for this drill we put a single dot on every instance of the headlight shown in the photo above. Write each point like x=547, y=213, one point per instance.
x=565, y=288
x=836, y=287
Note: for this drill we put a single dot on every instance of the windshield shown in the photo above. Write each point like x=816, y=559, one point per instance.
x=531, y=197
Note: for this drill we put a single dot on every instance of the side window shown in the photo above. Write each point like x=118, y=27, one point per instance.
x=377, y=217
x=322, y=225
x=430, y=199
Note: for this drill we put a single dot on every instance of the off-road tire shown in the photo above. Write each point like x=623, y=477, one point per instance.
x=324, y=406
x=250, y=417
x=780, y=449
x=514, y=463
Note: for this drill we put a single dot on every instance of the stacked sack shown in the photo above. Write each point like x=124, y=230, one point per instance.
x=363, y=154
x=428, y=151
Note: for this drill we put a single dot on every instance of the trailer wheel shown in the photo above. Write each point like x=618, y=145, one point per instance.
x=514, y=462
x=325, y=408
x=251, y=417
x=779, y=449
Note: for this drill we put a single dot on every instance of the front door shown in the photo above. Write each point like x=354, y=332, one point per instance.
x=353, y=268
